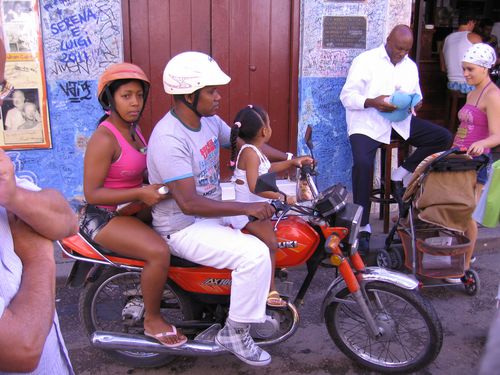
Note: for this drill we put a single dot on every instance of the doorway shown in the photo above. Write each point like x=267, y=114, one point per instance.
x=256, y=42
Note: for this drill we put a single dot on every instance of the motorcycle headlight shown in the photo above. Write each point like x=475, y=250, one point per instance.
x=331, y=200
x=350, y=218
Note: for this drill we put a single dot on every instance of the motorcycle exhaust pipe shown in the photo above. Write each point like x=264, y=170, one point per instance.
x=128, y=342
x=202, y=344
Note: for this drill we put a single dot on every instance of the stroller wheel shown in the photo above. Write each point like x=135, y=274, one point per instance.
x=383, y=259
x=471, y=282
x=396, y=257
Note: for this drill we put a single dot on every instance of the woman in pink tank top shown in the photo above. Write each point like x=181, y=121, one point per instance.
x=114, y=170
x=479, y=128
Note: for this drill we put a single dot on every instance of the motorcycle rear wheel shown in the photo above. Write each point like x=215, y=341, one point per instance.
x=412, y=334
x=102, y=302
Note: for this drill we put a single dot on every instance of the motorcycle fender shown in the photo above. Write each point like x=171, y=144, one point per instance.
x=371, y=274
x=79, y=274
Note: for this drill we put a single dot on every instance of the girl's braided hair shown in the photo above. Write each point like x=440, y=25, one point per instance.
x=247, y=124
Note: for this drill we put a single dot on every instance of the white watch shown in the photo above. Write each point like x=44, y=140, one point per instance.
x=289, y=156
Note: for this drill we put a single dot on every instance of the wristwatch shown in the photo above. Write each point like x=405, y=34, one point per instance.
x=289, y=156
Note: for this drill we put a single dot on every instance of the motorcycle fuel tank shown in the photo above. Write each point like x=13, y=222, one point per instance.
x=299, y=239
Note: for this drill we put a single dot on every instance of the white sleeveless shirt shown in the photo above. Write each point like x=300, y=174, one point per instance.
x=243, y=193
x=454, y=48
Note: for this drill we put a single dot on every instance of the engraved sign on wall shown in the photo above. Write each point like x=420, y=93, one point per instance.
x=344, y=32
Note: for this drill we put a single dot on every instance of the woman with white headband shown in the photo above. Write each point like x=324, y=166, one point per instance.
x=479, y=128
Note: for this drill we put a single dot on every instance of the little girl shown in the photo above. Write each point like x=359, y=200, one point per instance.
x=252, y=125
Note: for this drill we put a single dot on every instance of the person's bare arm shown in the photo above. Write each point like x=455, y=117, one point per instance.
x=46, y=211
x=442, y=62
x=26, y=321
x=184, y=193
x=297, y=162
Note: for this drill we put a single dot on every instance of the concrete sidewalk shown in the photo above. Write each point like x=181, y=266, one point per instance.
x=488, y=238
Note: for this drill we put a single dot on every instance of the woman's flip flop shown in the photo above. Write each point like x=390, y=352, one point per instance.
x=162, y=335
x=274, y=300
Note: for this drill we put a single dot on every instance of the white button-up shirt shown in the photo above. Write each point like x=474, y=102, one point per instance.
x=372, y=74
x=54, y=359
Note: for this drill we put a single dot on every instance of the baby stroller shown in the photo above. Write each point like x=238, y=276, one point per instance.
x=439, y=202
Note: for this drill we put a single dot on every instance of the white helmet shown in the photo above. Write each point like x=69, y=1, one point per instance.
x=190, y=71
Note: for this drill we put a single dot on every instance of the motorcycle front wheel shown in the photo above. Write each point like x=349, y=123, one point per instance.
x=113, y=302
x=411, y=333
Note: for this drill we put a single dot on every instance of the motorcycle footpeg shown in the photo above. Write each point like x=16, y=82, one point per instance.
x=209, y=334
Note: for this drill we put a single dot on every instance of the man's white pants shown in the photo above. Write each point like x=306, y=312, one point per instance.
x=210, y=243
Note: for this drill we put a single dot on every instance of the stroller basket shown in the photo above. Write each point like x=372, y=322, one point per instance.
x=439, y=252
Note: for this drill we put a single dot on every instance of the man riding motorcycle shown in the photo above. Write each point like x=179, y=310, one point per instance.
x=183, y=153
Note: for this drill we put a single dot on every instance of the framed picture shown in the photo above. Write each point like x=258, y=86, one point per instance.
x=23, y=113
x=22, y=120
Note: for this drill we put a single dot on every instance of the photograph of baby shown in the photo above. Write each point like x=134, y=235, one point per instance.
x=20, y=110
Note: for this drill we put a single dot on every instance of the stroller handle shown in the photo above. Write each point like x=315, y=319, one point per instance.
x=477, y=163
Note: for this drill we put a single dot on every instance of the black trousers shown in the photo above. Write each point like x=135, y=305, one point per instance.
x=427, y=137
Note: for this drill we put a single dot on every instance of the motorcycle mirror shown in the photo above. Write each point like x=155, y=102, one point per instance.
x=266, y=182
x=309, y=142
x=308, y=138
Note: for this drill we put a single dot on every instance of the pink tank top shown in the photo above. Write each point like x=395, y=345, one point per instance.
x=128, y=171
x=473, y=125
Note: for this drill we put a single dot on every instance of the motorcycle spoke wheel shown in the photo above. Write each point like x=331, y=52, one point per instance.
x=114, y=303
x=411, y=334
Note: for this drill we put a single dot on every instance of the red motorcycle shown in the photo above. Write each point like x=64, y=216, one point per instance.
x=374, y=315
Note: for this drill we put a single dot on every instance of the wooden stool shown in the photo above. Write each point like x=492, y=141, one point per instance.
x=454, y=100
x=383, y=196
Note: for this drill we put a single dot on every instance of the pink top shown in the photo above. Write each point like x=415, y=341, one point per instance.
x=128, y=171
x=473, y=125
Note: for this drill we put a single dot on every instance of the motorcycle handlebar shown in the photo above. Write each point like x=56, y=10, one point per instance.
x=278, y=206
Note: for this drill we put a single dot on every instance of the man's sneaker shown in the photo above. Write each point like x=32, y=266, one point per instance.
x=239, y=342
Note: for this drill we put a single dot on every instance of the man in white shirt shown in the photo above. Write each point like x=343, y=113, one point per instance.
x=454, y=48
x=30, y=218
x=374, y=76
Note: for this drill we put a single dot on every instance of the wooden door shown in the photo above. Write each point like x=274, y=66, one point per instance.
x=254, y=41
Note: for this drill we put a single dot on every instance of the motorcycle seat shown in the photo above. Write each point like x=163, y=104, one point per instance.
x=174, y=260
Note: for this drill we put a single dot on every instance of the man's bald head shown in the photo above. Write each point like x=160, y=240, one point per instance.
x=399, y=43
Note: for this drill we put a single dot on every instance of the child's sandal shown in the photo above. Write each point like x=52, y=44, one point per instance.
x=274, y=300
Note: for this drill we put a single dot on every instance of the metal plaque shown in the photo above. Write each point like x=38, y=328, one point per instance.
x=344, y=32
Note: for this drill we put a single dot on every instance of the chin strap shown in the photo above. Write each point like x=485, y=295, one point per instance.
x=193, y=106
x=132, y=128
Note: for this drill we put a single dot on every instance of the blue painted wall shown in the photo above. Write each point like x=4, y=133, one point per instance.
x=322, y=75
x=321, y=108
x=80, y=39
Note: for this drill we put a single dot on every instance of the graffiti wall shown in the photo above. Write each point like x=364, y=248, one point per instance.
x=332, y=34
x=80, y=39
